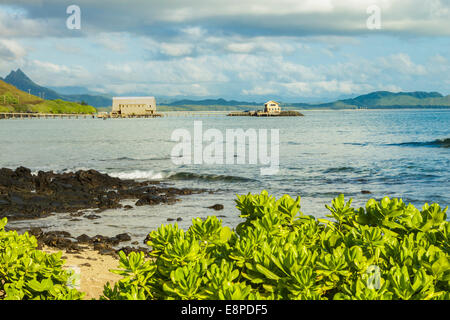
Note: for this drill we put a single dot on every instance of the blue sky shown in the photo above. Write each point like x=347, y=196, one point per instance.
x=290, y=50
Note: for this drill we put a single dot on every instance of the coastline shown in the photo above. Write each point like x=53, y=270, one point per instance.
x=75, y=196
x=92, y=258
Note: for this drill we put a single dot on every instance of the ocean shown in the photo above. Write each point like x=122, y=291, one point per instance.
x=395, y=153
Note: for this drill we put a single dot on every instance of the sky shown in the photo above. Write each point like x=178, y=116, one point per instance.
x=248, y=50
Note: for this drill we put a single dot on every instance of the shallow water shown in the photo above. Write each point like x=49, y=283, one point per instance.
x=398, y=153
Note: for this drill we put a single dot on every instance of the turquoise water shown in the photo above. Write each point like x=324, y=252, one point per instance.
x=398, y=153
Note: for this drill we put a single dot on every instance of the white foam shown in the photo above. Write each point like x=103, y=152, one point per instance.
x=138, y=174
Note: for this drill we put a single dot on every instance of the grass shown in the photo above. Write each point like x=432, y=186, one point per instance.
x=60, y=106
x=15, y=100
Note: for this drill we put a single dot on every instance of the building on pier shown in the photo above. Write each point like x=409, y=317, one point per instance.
x=133, y=106
x=272, y=107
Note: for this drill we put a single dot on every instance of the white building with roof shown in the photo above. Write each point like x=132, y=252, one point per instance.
x=133, y=106
x=272, y=107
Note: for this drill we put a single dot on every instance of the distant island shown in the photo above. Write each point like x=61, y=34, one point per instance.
x=385, y=100
x=373, y=100
x=271, y=109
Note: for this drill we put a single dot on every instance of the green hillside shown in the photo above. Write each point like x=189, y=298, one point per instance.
x=22, y=82
x=15, y=100
x=386, y=99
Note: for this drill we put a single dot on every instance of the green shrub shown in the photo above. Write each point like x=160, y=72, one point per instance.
x=30, y=274
x=387, y=250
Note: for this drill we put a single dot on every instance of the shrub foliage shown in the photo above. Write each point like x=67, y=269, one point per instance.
x=29, y=274
x=387, y=250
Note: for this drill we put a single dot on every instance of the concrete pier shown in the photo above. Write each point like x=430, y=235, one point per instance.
x=24, y=115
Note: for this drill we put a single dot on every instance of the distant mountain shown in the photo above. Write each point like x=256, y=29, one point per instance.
x=68, y=90
x=21, y=81
x=386, y=99
x=374, y=100
x=212, y=102
x=93, y=100
x=14, y=100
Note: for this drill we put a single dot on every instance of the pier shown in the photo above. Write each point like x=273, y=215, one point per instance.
x=289, y=113
x=194, y=113
x=105, y=115
x=25, y=115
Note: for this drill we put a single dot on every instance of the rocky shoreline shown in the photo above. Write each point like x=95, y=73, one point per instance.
x=25, y=196
x=104, y=245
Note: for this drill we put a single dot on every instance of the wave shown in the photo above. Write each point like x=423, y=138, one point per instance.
x=134, y=159
x=340, y=169
x=152, y=175
x=438, y=143
x=206, y=177
x=138, y=174
x=365, y=144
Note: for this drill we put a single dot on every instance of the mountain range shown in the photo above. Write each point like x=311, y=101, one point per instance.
x=373, y=100
x=21, y=81
x=387, y=100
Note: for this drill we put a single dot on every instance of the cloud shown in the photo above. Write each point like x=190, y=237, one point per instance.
x=254, y=76
x=176, y=49
x=248, y=18
x=11, y=50
x=51, y=74
x=252, y=49
x=169, y=90
x=16, y=22
x=115, y=41
x=240, y=47
x=401, y=62
x=259, y=90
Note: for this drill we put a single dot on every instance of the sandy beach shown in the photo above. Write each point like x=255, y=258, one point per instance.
x=93, y=269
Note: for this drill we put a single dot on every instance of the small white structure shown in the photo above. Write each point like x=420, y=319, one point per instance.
x=133, y=106
x=272, y=107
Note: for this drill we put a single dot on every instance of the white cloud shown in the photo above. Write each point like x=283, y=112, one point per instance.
x=240, y=47
x=401, y=62
x=120, y=68
x=439, y=59
x=256, y=17
x=170, y=90
x=333, y=86
x=176, y=49
x=115, y=41
x=195, y=32
x=52, y=74
x=11, y=50
x=248, y=75
x=260, y=90
x=256, y=45
x=15, y=23
x=288, y=48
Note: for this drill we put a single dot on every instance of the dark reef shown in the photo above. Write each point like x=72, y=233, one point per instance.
x=27, y=196
x=24, y=196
